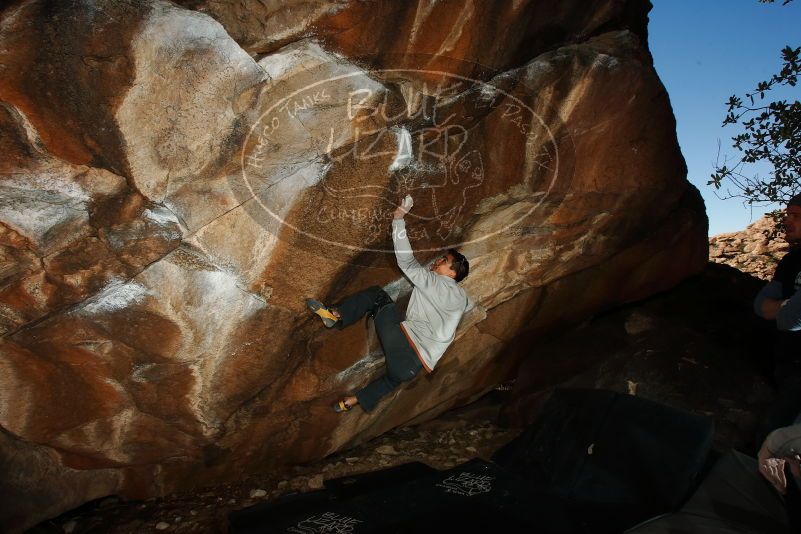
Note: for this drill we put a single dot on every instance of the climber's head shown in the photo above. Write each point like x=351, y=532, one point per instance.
x=452, y=264
x=792, y=220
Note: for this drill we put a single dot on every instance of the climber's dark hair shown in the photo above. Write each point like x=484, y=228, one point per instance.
x=460, y=264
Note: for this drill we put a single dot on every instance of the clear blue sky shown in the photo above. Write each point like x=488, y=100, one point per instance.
x=705, y=51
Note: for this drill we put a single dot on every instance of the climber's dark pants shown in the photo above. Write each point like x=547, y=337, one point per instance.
x=401, y=361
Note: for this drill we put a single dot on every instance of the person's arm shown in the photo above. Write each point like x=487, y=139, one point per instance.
x=769, y=300
x=418, y=275
x=470, y=304
x=788, y=317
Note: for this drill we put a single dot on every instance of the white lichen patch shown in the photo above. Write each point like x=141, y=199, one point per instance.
x=488, y=92
x=155, y=222
x=372, y=360
x=284, y=185
x=605, y=61
x=34, y=212
x=161, y=216
x=188, y=73
x=31, y=134
x=46, y=206
x=209, y=306
x=214, y=320
x=537, y=69
x=117, y=295
x=302, y=55
x=221, y=290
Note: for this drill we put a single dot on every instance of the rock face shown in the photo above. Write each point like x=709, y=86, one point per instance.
x=751, y=250
x=176, y=180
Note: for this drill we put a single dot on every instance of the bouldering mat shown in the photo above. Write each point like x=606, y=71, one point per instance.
x=618, y=459
x=474, y=497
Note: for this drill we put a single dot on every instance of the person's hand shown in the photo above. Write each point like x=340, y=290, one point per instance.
x=771, y=307
x=773, y=468
x=404, y=207
x=795, y=465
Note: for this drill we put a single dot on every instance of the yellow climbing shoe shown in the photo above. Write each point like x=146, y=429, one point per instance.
x=329, y=319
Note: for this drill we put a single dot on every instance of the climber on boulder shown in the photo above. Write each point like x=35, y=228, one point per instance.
x=435, y=308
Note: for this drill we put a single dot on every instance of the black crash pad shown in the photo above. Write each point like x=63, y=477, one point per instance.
x=618, y=459
x=474, y=497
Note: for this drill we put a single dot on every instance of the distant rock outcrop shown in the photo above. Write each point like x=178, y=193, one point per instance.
x=751, y=250
x=176, y=180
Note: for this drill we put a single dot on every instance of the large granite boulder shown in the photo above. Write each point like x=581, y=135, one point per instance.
x=173, y=187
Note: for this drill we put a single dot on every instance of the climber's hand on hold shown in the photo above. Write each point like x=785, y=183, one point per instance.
x=404, y=208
